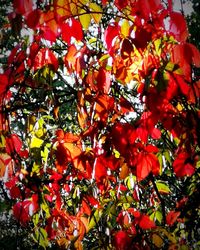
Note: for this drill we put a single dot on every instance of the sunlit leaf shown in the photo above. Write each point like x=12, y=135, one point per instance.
x=45, y=57
x=178, y=26
x=111, y=32
x=36, y=142
x=96, y=8
x=85, y=19
x=125, y=28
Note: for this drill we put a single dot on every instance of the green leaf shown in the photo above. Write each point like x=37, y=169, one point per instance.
x=41, y=237
x=162, y=187
x=156, y=215
x=45, y=208
x=94, y=219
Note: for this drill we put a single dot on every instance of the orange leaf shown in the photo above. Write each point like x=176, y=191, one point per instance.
x=5, y=165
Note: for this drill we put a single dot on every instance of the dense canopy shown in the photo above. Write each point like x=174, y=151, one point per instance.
x=99, y=125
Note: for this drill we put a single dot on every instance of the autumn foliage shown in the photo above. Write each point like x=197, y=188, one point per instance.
x=99, y=124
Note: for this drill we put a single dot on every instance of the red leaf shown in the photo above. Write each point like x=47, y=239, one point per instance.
x=111, y=32
x=23, y=7
x=45, y=57
x=121, y=240
x=13, y=144
x=15, y=193
x=85, y=208
x=194, y=92
x=182, y=165
x=172, y=217
x=146, y=223
x=103, y=80
x=146, y=162
x=151, y=148
x=127, y=136
x=20, y=212
x=155, y=133
x=126, y=49
x=176, y=83
x=3, y=83
x=178, y=26
x=121, y=4
x=94, y=202
x=32, y=19
x=125, y=106
x=194, y=53
x=71, y=29
x=100, y=170
x=76, y=28
x=144, y=166
x=186, y=53
x=49, y=26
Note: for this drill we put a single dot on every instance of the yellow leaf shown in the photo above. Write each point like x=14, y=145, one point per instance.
x=73, y=8
x=157, y=240
x=179, y=107
x=2, y=142
x=125, y=27
x=158, y=44
x=62, y=7
x=40, y=132
x=36, y=142
x=96, y=8
x=85, y=19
